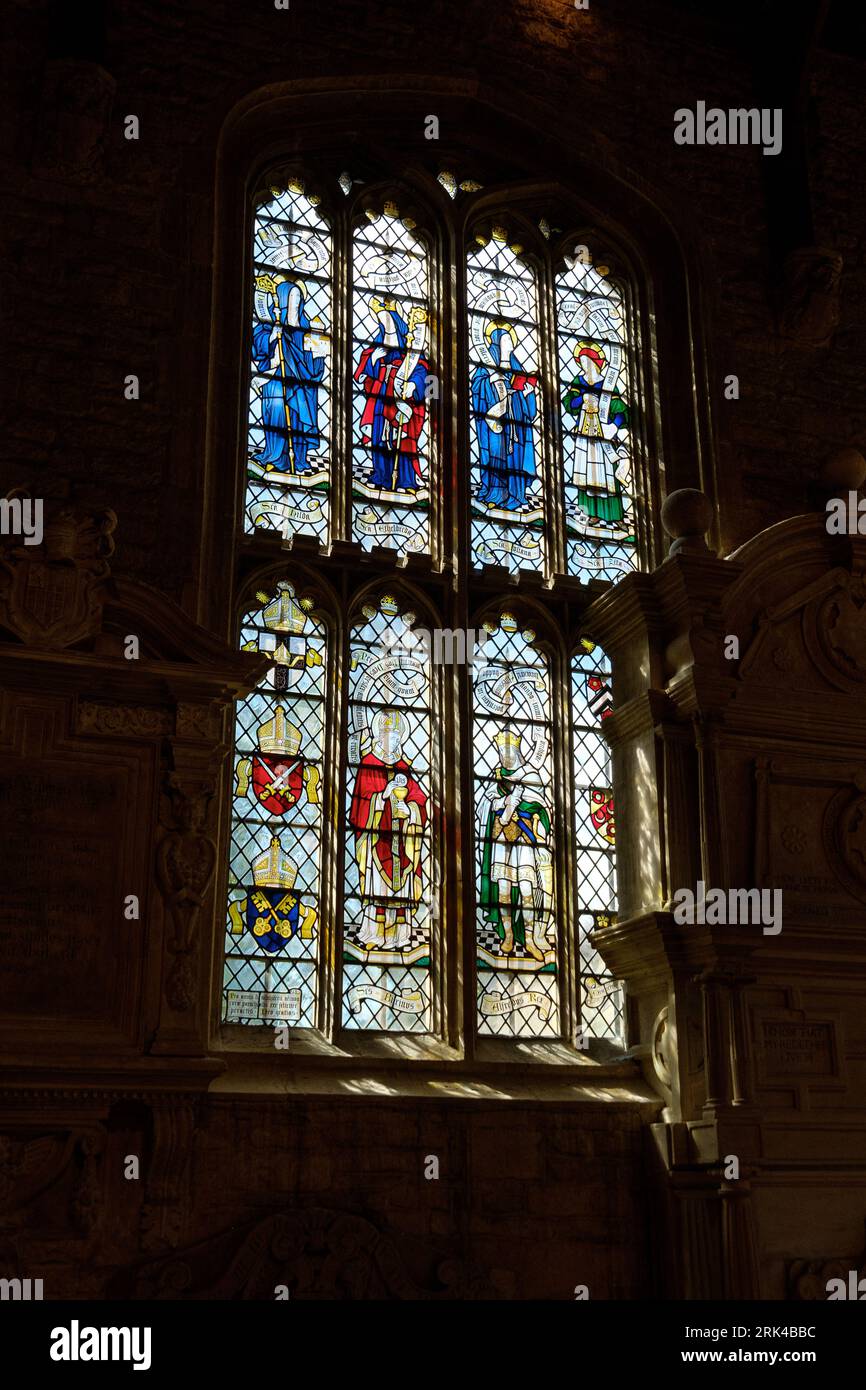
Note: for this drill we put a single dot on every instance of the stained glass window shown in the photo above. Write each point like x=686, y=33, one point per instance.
x=505, y=400
x=272, y=931
x=515, y=824
x=601, y=1002
x=353, y=432
x=289, y=432
x=391, y=373
x=596, y=408
x=388, y=898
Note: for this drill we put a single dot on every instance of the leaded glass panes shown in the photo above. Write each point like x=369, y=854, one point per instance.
x=289, y=432
x=507, y=523
x=272, y=932
x=596, y=408
x=601, y=1002
x=390, y=372
x=516, y=953
x=387, y=913
x=349, y=406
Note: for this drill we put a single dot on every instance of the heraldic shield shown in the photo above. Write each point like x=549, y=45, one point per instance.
x=271, y=911
x=280, y=777
x=601, y=813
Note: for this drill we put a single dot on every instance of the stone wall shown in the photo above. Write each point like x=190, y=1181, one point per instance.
x=114, y=264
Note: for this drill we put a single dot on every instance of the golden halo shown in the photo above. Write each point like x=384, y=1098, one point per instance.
x=497, y=323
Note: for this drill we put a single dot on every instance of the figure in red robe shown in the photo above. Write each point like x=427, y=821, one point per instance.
x=393, y=375
x=388, y=816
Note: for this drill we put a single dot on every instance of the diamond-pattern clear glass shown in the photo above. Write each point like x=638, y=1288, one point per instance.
x=601, y=997
x=272, y=929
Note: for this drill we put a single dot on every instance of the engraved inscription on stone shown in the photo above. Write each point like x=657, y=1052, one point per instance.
x=58, y=904
x=797, y=1049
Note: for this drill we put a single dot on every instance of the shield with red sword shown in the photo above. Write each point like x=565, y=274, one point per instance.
x=277, y=781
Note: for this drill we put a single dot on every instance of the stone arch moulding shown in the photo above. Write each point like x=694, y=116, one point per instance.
x=308, y=119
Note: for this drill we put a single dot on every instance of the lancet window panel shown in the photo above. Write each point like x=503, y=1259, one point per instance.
x=289, y=437
x=597, y=408
x=391, y=372
x=274, y=880
x=388, y=914
x=601, y=998
x=505, y=404
x=516, y=825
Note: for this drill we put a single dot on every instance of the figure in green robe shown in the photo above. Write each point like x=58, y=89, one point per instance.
x=516, y=871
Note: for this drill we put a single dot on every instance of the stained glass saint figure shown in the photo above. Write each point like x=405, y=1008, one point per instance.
x=387, y=816
x=392, y=372
x=516, y=870
x=602, y=427
x=289, y=356
x=504, y=408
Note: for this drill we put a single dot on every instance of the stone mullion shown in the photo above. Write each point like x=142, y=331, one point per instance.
x=567, y=913
x=551, y=432
x=331, y=845
x=341, y=403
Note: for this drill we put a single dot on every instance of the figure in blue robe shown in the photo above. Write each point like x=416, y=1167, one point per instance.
x=393, y=374
x=290, y=405
x=504, y=408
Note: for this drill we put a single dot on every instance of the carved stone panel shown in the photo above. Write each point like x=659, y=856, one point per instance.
x=73, y=849
x=809, y=839
x=795, y=1049
x=59, y=902
x=315, y=1254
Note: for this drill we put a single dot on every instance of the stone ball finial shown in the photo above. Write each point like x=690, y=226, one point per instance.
x=687, y=515
x=845, y=469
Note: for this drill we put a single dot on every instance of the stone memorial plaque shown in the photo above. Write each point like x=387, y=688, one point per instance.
x=797, y=1049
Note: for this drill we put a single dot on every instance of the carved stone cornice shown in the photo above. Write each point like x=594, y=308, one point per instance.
x=179, y=663
x=637, y=716
x=624, y=613
x=646, y=949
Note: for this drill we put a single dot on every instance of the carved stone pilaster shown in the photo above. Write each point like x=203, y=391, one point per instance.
x=740, y=1258
x=186, y=859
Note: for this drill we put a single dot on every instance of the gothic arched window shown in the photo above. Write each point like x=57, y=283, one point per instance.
x=517, y=825
x=391, y=368
x=388, y=896
x=442, y=422
x=290, y=435
x=272, y=944
x=509, y=491
x=595, y=406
